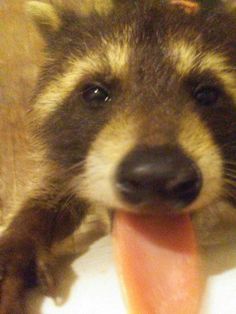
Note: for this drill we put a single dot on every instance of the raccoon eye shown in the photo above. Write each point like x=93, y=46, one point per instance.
x=95, y=95
x=206, y=95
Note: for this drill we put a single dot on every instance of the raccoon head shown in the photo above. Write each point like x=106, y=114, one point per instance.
x=141, y=104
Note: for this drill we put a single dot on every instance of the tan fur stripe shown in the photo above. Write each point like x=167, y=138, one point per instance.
x=188, y=57
x=196, y=140
x=118, y=56
x=219, y=65
x=60, y=88
x=102, y=7
x=184, y=56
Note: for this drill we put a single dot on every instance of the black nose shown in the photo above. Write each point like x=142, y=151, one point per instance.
x=159, y=173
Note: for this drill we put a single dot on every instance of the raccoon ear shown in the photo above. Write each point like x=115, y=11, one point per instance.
x=232, y=8
x=188, y=6
x=46, y=16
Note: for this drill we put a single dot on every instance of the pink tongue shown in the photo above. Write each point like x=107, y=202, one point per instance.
x=158, y=264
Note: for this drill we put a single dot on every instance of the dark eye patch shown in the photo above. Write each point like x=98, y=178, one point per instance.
x=95, y=95
x=206, y=95
x=205, y=89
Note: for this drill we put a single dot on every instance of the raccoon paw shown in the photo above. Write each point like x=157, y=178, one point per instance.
x=15, y=265
x=21, y=268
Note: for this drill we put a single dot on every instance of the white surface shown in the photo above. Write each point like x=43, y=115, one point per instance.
x=220, y=295
x=96, y=289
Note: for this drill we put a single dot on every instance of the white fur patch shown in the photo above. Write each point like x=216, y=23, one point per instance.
x=98, y=181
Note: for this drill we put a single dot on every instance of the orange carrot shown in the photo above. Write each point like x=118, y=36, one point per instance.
x=158, y=264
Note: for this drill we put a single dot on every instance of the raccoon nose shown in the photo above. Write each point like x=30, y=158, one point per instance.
x=162, y=173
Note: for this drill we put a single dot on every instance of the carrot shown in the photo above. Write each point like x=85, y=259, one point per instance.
x=158, y=264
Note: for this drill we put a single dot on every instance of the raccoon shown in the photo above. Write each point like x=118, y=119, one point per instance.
x=134, y=108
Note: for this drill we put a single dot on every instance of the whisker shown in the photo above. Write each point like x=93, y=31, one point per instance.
x=74, y=168
x=229, y=169
x=229, y=193
x=230, y=182
x=77, y=165
x=231, y=178
x=230, y=143
x=230, y=162
x=230, y=173
x=68, y=209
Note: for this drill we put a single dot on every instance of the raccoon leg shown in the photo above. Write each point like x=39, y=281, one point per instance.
x=25, y=258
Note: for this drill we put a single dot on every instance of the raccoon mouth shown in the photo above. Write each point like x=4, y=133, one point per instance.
x=157, y=251
x=158, y=262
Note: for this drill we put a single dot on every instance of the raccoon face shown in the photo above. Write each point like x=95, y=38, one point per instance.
x=141, y=105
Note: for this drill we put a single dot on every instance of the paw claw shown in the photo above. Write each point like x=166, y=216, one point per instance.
x=21, y=268
x=59, y=301
x=46, y=280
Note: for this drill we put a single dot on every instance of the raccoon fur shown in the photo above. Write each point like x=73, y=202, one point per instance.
x=134, y=107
